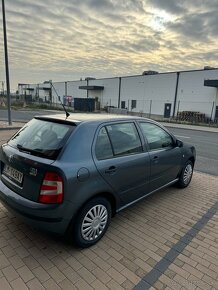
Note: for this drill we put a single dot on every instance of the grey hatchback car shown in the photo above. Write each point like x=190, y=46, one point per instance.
x=72, y=175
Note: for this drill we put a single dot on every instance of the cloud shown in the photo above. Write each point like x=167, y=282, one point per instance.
x=197, y=27
x=70, y=39
x=171, y=6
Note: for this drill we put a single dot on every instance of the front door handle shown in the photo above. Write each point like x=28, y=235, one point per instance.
x=111, y=170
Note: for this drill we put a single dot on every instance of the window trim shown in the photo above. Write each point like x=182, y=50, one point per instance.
x=112, y=147
x=146, y=140
x=116, y=123
x=95, y=142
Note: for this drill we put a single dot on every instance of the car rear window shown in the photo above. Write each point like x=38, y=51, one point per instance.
x=42, y=138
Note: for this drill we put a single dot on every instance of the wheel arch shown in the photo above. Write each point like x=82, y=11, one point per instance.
x=192, y=159
x=107, y=195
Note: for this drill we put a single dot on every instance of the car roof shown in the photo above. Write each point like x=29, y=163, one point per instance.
x=88, y=117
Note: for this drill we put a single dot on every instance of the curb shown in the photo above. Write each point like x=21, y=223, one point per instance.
x=10, y=128
x=201, y=129
x=16, y=121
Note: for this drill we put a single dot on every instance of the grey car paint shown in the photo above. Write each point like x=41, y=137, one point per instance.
x=127, y=175
x=85, y=177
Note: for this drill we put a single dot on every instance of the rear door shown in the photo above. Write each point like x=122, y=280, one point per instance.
x=121, y=160
x=165, y=156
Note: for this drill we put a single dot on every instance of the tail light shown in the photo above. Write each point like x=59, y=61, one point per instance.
x=51, y=189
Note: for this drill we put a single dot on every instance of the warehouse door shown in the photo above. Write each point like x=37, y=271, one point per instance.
x=216, y=114
x=123, y=105
x=167, y=110
x=84, y=105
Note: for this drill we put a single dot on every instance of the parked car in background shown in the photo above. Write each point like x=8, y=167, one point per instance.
x=70, y=176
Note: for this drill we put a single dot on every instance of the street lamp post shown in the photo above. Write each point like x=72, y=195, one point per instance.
x=6, y=64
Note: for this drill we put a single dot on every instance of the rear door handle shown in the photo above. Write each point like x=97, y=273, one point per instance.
x=155, y=159
x=111, y=170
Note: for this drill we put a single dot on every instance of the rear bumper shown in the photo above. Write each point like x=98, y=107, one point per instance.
x=49, y=217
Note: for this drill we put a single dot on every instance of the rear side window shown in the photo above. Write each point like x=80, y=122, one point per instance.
x=117, y=140
x=124, y=138
x=42, y=138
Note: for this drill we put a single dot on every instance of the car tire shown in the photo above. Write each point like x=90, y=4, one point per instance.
x=91, y=222
x=186, y=175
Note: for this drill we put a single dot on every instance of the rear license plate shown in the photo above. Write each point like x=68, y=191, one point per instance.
x=13, y=173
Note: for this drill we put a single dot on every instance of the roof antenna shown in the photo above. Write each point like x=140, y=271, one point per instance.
x=59, y=98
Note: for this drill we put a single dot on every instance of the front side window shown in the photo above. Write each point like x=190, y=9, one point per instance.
x=157, y=137
x=124, y=138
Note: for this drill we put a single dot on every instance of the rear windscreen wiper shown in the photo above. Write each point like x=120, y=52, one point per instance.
x=23, y=149
x=50, y=154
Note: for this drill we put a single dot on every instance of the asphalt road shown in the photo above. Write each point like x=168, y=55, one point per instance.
x=24, y=115
x=206, y=143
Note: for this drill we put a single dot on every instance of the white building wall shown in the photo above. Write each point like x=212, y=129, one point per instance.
x=151, y=92
x=60, y=89
x=24, y=88
x=74, y=91
x=43, y=95
x=33, y=93
x=109, y=95
x=193, y=95
x=38, y=93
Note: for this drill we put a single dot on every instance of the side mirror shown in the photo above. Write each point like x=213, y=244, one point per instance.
x=179, y=143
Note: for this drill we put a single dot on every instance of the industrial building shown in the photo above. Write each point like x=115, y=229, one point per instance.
x=152, y=93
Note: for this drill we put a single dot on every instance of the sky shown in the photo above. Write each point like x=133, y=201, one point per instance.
x=63, y=40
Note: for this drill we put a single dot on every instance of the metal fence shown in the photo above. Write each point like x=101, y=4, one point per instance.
x=161, y=110
x=182, y=111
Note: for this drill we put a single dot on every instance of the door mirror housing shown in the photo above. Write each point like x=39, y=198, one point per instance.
x=179, y=143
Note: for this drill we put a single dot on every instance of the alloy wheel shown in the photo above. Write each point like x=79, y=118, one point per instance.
x=187, y=174
x=94, y=222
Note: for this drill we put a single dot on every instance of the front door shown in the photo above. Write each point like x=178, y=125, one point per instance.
x=165, y=156
x=167, y=110
x=123, y=105
x=121, y=161
x=164, y=166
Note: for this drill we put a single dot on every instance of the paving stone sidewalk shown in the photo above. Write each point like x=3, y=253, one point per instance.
x=137, y=239
x=15, y=125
